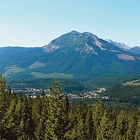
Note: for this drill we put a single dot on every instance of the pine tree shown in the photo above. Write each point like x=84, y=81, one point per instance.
x=2, y=105
x=57, y=122
x=2, y=84
x=40, y=115
x=81, y=129
x=132, y=123
x=97, y=113
x=72, y=132
x=90, y=128
x=3, y=98
x=121, y=126
x=28, y=119
x=137, y=134
x=106, y=128
x=78, y=119
x=9, y=122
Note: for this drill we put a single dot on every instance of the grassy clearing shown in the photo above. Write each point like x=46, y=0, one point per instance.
x=12, y=70
x=36, y=65
x=136, y=81
x=52, y=75
x=133, y=83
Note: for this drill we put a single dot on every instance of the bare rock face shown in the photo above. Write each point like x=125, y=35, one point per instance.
x=126, y=57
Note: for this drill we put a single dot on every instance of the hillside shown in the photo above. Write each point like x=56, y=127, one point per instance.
x=73, y=55
x=7, y=52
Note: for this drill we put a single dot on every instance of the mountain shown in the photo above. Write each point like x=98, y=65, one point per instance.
x=118, y=44
x=91, y=56
x=135, y=50
x=6, y=52
x=73, y=55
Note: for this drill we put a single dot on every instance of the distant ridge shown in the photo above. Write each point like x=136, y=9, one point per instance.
x=135, y=50
x=117, y=44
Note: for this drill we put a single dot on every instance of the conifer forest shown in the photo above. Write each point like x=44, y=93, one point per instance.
x=53, y=117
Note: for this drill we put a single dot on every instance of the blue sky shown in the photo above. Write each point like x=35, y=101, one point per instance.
x=37, y=22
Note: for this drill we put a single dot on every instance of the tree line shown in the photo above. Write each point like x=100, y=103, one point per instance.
x=53, y=117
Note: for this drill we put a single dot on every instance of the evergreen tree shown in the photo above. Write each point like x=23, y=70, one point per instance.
x=81, y=129
x=2, y=105
x=72, y=132
x=57, y=122
x=90, y=128
x=132, y=125
x=5, y=104
x=28, y=119
x=106, y=128
x=121, y=126
x=40, y=114
x=52, y=117
x=9, y=122
x=3, y=98
x=137, y=134
x=2, y=84
x=97, y=113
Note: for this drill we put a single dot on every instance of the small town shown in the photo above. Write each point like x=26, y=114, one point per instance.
x=33, y=92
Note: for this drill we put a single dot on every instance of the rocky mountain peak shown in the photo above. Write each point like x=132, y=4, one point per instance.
x=82, y=40
x=73, y=32
x=63, y=40
x=118, y=44
x=86, y=43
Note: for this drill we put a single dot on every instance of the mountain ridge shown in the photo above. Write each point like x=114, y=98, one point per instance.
x=81, y=55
